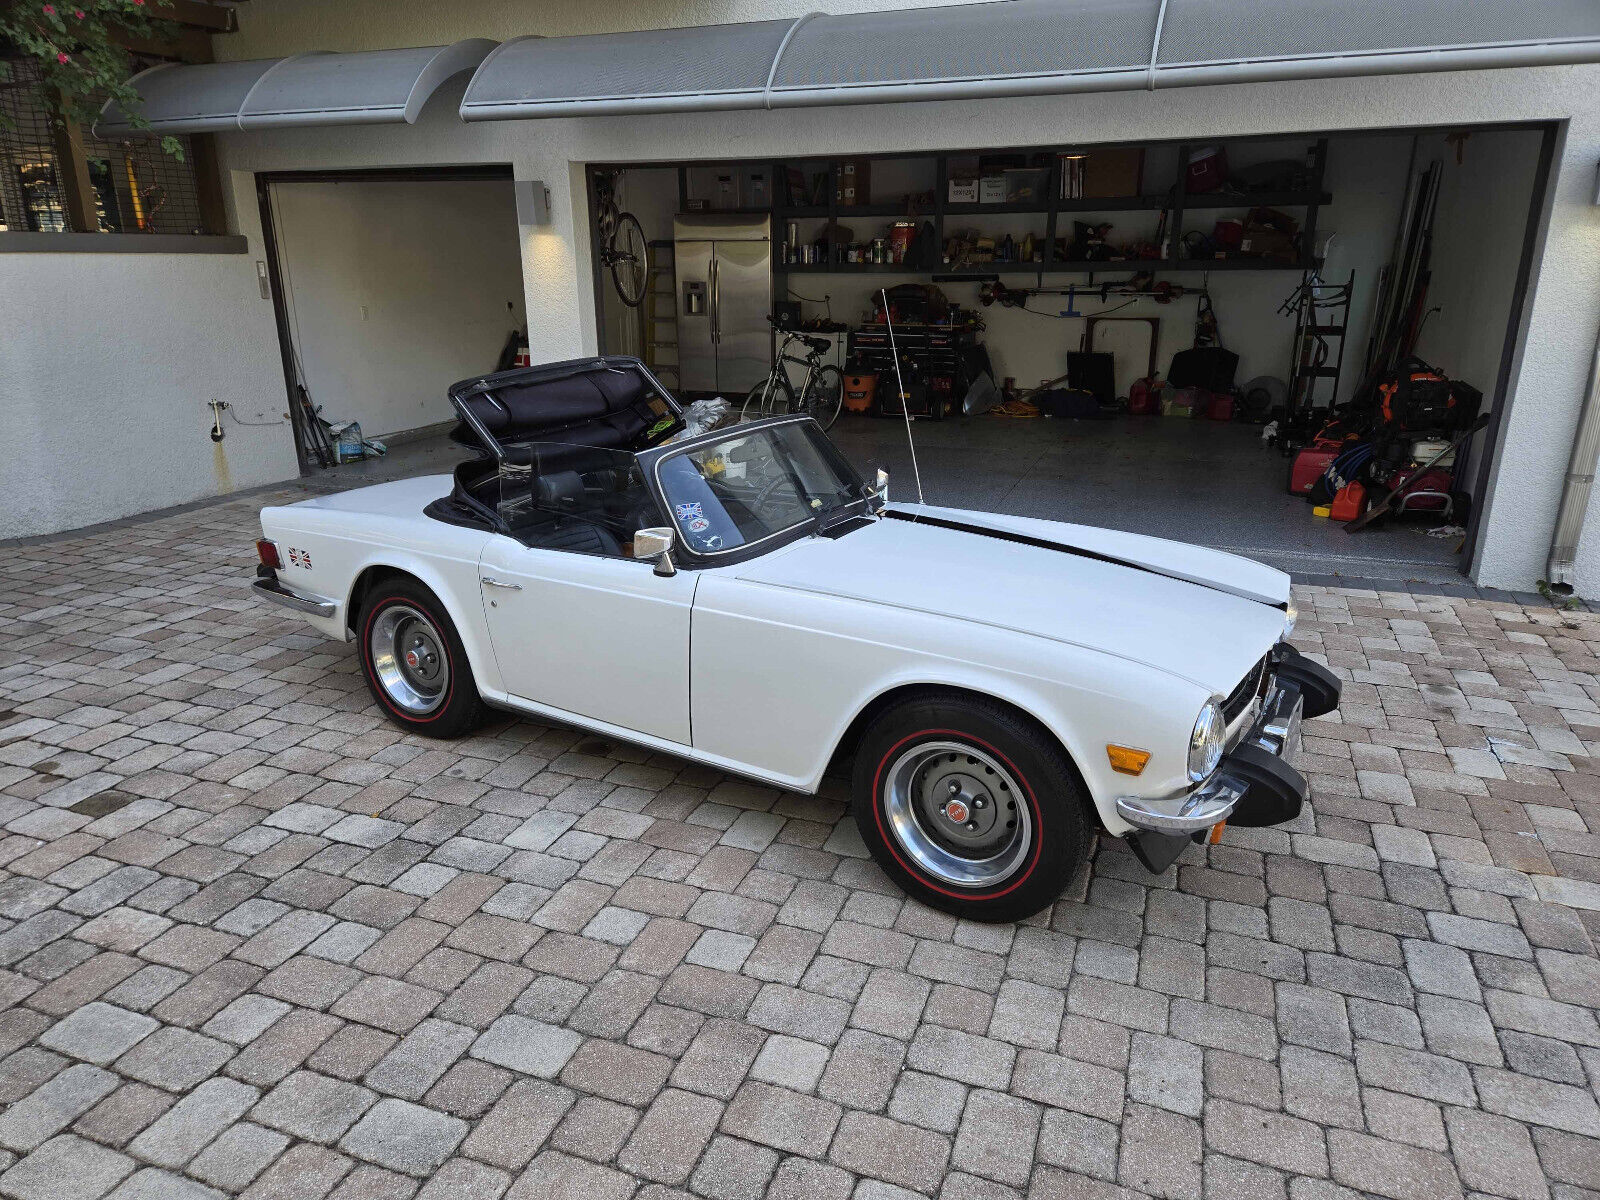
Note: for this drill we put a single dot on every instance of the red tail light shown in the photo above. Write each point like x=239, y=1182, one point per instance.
x=267, y=550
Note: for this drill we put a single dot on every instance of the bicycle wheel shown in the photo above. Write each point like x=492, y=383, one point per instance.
x=768, y=399
x=824, y=396
x=630, y=260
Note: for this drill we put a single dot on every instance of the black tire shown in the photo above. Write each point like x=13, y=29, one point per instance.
x=1017, y=772
x=824, y=396
x=445, y=704
x=630, y=264
x=758, y=405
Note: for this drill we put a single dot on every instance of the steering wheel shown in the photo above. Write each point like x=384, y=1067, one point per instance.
x=765, y=494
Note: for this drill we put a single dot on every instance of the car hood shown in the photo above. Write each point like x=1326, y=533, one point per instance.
x=1200, y=614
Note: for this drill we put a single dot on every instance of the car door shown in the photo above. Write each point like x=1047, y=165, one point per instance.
x=600, y=637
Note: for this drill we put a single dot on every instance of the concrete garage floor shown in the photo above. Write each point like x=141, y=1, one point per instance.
x=256, y=942
x=1195, y=481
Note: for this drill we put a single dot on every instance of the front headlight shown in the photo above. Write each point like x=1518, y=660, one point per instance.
x=1291, y=614
x=1207, y=742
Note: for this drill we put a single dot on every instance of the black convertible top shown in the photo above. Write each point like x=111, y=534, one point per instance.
x=612, y=402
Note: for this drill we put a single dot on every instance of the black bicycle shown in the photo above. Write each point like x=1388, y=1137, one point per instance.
x=821, y=394
x=622, y=244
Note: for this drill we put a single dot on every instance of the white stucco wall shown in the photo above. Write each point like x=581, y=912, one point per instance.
x=106, y=366
x=397, y=290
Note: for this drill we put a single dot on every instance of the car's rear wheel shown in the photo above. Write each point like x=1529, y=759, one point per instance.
x=969, y=806
x=414, y=662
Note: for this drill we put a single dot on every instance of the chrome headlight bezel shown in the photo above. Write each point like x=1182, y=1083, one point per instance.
x=1207, y=741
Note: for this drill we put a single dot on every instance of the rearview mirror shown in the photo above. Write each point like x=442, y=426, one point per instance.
x=878, y=493
x=656, y=542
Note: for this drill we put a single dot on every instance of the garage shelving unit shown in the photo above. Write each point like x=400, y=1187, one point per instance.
x=1177, y=202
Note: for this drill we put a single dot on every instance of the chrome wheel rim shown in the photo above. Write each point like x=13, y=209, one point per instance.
x=958, y=813
x=409, y=659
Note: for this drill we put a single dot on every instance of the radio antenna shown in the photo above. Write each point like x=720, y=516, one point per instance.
x=905, y=410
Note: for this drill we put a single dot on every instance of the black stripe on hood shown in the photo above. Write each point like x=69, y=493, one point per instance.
x=1023, y=539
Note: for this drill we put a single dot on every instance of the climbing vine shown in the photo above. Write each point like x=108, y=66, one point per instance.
x=77, y=53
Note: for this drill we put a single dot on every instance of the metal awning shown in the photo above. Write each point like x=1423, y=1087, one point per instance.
x=1018, y=48
x=369, y=87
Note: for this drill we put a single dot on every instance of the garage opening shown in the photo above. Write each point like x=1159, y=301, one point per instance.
x=1155, y=337
x=390, y=287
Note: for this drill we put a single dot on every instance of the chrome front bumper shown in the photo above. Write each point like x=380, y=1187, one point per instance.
x=1275, y=730
x=268, y=588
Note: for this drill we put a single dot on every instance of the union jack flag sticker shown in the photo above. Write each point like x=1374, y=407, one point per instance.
x=299, y=558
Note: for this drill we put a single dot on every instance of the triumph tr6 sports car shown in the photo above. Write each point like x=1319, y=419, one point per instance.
x=1006, y=687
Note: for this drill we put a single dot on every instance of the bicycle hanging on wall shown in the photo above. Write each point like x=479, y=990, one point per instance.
x=623, y=248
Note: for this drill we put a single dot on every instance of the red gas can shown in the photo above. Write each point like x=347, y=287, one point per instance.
x=1143, y=396
x=1349, y=502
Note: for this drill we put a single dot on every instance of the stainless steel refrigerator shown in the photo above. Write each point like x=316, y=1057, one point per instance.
x=724, y=275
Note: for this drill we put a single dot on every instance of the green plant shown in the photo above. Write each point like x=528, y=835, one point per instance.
x=76, y=49
x=1557, y=598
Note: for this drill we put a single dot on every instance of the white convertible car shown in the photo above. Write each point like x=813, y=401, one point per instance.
x=1006, y=687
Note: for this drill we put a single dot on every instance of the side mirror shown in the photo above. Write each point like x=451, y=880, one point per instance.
x=656, y=543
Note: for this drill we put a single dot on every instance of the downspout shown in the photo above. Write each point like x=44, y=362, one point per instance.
x=1575, y=491
x=1155, y=49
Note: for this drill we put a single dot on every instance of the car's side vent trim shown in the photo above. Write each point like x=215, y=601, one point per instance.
x=1007, y=535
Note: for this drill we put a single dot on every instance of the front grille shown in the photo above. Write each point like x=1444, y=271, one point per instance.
x=1249, y=688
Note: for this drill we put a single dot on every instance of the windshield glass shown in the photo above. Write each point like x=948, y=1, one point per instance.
x=750, y=485
x=581, y=498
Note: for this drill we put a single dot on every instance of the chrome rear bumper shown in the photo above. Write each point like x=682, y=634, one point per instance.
x=1275, y=730
x=268, y=588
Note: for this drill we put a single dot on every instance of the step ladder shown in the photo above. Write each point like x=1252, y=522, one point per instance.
x=660, y=315
x=1322, y=323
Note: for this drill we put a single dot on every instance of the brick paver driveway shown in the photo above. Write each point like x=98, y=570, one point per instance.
x=254, y=940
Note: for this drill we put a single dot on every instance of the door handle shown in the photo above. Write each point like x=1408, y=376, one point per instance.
x=716, y=299
x=490, y=581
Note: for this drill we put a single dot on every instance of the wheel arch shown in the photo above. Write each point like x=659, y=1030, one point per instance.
x=367, y=578
x=375, y=572
x=883, y=701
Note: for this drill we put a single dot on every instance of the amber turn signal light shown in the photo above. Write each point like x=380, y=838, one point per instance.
x=1125, y=760
x=267, y=551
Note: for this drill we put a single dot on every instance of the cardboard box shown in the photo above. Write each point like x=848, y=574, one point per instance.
x=757, y=187
x=1272, y=244
x=1116, y=171
x=963, y=190
x=853, y=183
x=992, y=189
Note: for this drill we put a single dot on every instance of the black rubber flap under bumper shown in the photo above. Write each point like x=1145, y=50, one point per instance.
x=1276, y=792
x=1319, y=687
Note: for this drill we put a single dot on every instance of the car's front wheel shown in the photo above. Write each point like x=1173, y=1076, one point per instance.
x=414, y=661
x=969, y=806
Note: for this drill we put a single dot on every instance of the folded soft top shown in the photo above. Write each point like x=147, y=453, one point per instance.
x=612, y=401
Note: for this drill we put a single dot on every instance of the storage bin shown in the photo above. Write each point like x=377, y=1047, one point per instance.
x=1208, y=170
x=992, y=189
x=1026, y=186
x=1182, y=402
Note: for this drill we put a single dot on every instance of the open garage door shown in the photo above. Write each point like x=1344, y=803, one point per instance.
x=1202, y=312
x=390, y=288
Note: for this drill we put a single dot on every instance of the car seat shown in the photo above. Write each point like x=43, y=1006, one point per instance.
x=563, y=520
